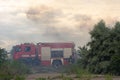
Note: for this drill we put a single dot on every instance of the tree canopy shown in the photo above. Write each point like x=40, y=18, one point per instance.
x=102, y=53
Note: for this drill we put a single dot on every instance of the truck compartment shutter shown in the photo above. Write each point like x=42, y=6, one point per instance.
x=67, y=52
x=45, y=53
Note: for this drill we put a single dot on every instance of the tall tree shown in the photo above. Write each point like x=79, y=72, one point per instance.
x=115, y=57
x=98, y=58
x=103, y=52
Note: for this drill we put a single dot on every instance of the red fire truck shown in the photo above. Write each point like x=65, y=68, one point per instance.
x=44, y=53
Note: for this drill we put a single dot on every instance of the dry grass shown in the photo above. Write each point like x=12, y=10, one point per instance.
x=59, y=76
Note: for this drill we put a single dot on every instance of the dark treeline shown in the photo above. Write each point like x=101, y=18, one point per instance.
x=102, y=54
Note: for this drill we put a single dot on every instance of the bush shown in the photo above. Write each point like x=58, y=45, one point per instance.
x=79, y=71
x=2, y=56
x=13, y=69
x=63, y=77
x=41, y=79
x=108, y=77
x=19, y=78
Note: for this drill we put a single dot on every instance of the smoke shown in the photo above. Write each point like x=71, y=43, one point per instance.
x=80, y=17
x=55, y=25
x=43, y=14
x=56, y=20
x=6, y=43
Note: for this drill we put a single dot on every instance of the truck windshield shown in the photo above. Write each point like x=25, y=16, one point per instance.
x=18, y=49
x=27, y=49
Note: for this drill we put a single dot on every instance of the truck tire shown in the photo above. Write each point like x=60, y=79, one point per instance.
x=57, y=63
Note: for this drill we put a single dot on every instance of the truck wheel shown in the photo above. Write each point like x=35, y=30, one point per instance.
x=57, y=63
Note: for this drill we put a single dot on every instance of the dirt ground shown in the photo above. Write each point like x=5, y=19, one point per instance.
x=53, y=76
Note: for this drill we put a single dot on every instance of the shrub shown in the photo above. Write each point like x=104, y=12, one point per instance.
x=41, y=79
x=19, y=78
x=80, y=72
x=12, y=69
x=108, y=77
x=65, y=77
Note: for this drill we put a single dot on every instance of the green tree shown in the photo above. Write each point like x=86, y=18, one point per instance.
x=83, y=61
x=98, y=57
x=11, y=69
x=115, y=57
x=102, y=54
x=2, y=55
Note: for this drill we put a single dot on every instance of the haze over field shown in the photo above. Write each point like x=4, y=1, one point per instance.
x=53, y=20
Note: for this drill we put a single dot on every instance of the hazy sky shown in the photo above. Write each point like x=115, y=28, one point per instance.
x=53, y=20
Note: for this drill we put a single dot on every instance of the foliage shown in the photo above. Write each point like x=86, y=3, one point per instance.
x=63, y=77
x=83, y=61
x=2, y=56
x=19, y=78
x=108, y=77
x=41, y=78
x=102, y=53
x=80, y=73
x=12, y=69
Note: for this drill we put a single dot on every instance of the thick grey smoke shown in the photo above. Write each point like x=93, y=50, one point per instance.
x=47, y=20
x=43, y=14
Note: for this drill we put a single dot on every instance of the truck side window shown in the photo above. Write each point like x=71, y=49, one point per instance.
x=56, y=54
x=27, y=48
x=18, y=49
